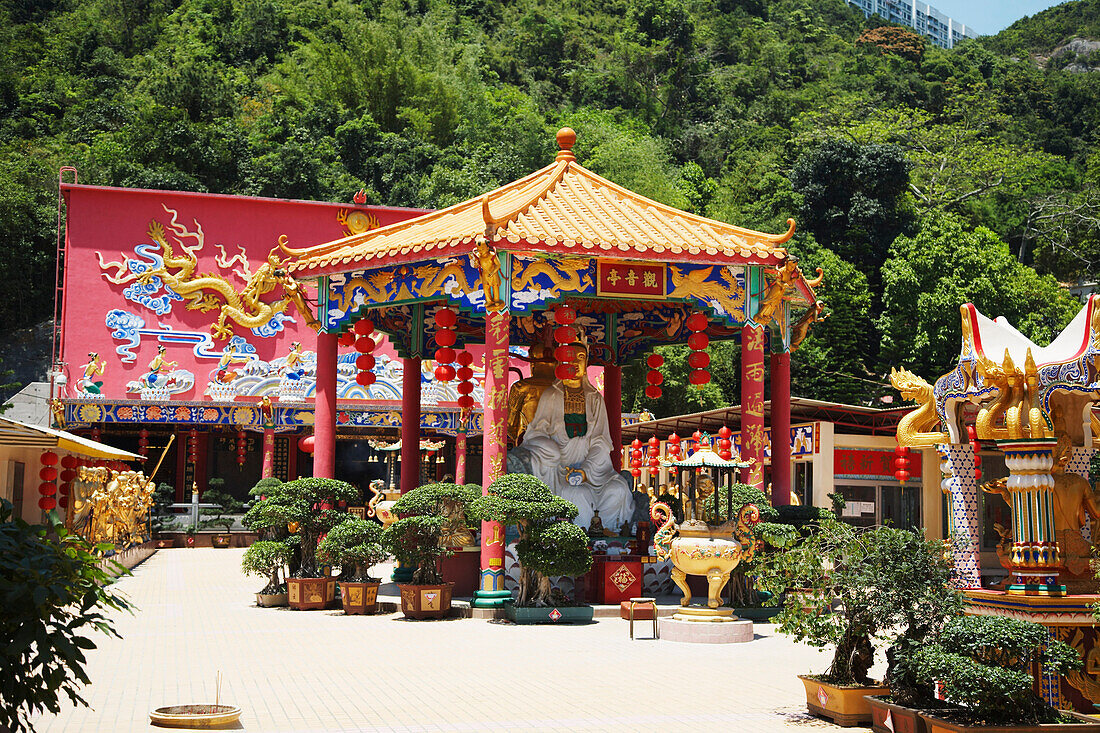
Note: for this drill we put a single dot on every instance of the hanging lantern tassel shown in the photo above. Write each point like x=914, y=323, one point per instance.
x=698, y=341
x=901, y=463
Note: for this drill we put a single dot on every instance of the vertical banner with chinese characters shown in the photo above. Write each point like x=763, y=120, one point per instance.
x=269, y=453
x=752, y=404
x=495, y=431
x=460, y=457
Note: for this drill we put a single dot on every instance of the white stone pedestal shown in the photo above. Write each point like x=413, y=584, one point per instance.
x=706, y=632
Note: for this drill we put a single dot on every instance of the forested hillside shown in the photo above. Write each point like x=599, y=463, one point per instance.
x=920, y=178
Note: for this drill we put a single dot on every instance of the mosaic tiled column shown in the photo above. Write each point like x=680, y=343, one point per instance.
x=1035, y=556
x=958, y=461
x=1079, y=464
x=492, y=592
x=752, y=404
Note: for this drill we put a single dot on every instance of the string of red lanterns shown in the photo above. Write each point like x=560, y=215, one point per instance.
x=653, y=377
x=565, y=335
x=725, y=443
x=69, y=464
x=48, y=487
x=143, y=442
x=193, y=446
x=972, y=436
x=445, y=338
x=365, y=345
x=698, y=341
x=242, y=440
x=466, y=380
x=636, y=458
x=654, y=454
x=901, y=463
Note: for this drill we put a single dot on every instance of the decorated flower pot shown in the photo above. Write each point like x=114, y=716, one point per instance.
x=548, y=614
x=887, y=717
x=307, y=594
x=271, y=600
x=1082, y=724
x=425, y=601
x=845, y=706
x=359, y=597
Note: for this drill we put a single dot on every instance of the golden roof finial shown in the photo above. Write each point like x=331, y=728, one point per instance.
x=566, y=139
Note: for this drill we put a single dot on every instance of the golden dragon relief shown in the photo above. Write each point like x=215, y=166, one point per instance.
x=916, y=429
x=206, y=292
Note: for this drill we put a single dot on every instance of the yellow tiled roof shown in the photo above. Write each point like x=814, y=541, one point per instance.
x=563, y=208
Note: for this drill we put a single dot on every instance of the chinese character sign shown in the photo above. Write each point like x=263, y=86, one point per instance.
x=629, y=279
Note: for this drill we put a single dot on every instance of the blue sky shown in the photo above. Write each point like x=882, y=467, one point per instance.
x=989, y=16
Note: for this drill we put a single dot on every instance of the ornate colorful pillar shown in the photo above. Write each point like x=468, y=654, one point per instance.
x=1036, y=559
x=613, y=403
x=410, y=424
x=324, y=408
x=460, y=457
x=491, y=592
x=752, y=404
x=781, y=428
x=958, y=465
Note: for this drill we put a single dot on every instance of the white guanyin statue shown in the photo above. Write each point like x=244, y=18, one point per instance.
x=567, y=444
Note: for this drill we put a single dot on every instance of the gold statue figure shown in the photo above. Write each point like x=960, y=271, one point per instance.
x=523, y=396
x=489, y=265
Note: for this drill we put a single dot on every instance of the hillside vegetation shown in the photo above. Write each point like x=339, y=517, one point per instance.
x=920, y=178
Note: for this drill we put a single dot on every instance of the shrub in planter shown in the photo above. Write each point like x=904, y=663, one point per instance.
x=415, y=538
x=355, y=545
x=549, y=544
x=984, y=664
x=162, y=521
x=268, y=559
x=226, y=506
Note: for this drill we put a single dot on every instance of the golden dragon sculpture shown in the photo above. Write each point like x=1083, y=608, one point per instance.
x=916, y=429
x=206, y=292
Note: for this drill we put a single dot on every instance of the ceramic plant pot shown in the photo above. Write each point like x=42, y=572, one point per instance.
x=307, y=594
x=425, y=601
x=359, y=597
x=845, y=706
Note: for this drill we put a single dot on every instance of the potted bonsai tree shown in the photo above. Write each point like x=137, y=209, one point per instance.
x=221, y=514
x=830, y=564
x=914, y=600
x=355, y=545
x=984, y=664
x=303, y=508
x=549, y=544
x=162, y=521
x=268, y=559
x=416, y=539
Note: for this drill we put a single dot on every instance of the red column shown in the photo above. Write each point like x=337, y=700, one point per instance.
x=324, y=408
x=491, y=592
x=268, y=469
x=781, y=429
x=752, y=404
x=613, y=402
x=410, y=424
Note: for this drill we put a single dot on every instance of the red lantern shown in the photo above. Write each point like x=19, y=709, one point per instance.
x=68, y=461
x=635, y=472
x=347, y=338
x=698, y=377
x=636, y=463
x=565, y=354
x=653, y=392
x=365, y=344
x=47, y=489
x=901, y=463
x=68, y=474
x=465, y=373
x=724, y=433
x=654, y=377
x=565, y=371
x=445, y=373
x=446, y=318
x=465, y=358
x=445, y=338
x=49, y=458
x=48, y=473
x=306, y=443
x=565, y=335
x=445, y=355
x=655, y=361
x=698, y=360
x=697, y=322
x=46, y=503
x=466, y=402
x=564, y=315
x=365, y=362
x=465, y=388
x=698, y=341
x=365, y=379
x=901, y=476
x=363, y=327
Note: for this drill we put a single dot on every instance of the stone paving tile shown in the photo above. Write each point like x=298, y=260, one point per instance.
x=323, y=671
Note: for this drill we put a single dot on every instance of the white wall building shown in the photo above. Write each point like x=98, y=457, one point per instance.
x=921, y=17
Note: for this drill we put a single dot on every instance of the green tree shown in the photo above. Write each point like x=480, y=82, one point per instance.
x=946, y=264
x=53, y=593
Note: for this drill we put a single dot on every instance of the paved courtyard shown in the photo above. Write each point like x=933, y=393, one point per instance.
x=323, y=671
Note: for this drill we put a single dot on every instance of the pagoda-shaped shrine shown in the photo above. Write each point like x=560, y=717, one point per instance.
x=562, y=258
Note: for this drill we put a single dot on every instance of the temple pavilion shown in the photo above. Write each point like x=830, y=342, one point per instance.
x=633, y=271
